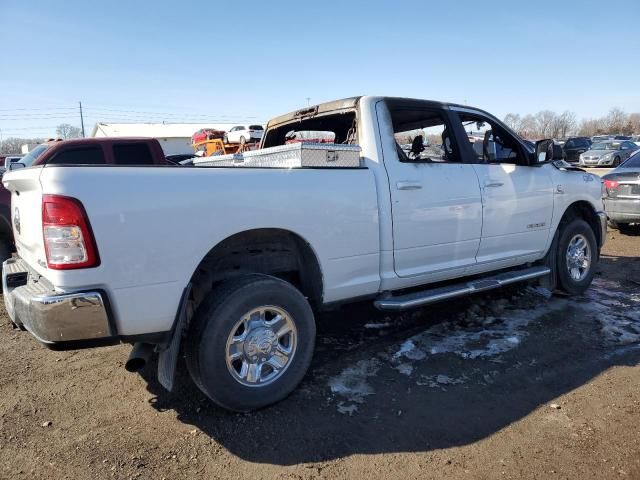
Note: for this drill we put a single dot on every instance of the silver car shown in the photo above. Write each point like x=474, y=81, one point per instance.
x=621, y=193
x=608, y=154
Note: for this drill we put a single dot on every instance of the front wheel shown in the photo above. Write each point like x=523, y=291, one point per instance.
x=577, y=257
x=251, y=342
x=616, y=162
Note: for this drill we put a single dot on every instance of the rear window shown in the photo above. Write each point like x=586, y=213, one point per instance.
x=132, y=154
x=255, y=127
x=33, y=155
x=577, y=143
x=78, y=156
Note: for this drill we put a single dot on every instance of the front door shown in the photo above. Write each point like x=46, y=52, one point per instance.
x=517, y=199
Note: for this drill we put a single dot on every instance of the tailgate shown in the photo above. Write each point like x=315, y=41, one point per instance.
x=26, y=214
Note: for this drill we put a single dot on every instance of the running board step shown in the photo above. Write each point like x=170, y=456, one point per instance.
x=417, y=299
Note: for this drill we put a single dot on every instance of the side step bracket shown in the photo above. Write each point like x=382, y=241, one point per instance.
x=425, y=297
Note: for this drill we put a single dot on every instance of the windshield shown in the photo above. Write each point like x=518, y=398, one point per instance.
x=33, y=155
x=604, y=146
x=576, y=143
x=255, y=127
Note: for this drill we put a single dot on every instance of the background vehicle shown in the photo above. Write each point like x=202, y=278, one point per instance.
x=622, y=198
x=244, y=134
x=86, y=151
x=95, y=151
x=574, y=146
x=601, y=138
x=606, y=154
x=262, y=250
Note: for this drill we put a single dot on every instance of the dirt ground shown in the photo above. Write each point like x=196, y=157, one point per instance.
x=517, y=384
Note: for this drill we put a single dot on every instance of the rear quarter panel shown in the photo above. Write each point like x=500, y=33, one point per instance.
x=154, y=225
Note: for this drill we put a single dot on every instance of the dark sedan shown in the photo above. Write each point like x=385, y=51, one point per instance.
x=622, y=193
x=573, y=147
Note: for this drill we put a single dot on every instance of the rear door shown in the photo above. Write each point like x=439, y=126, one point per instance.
x=436, y=203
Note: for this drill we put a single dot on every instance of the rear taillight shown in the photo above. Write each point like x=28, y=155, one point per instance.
x=611, y=184
x=68, y=239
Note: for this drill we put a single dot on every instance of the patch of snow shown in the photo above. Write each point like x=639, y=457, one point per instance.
x=377, y=325
x=408, y=350
x=404, y=368
x=616, y=311
x=352, y=384
x=438, y=381
x=347, y=409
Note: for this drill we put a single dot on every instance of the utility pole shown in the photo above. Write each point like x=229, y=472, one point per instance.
x=308, y=99
x=81, y=119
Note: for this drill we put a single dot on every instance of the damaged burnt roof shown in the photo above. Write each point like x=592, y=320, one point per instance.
x=348, y=104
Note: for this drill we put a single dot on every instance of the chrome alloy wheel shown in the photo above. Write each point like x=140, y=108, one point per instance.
x=261, y=346
x=578, y=257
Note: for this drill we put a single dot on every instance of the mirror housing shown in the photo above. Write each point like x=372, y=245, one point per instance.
x=9, y=166
x=547, y=151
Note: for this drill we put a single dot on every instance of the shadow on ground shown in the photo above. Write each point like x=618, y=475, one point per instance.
x=560, y=352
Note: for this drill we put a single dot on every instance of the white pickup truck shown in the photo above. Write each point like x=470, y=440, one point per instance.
x=227, y=265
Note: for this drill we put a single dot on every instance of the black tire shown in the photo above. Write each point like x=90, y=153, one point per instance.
x=213, y=322
x=225, y=139
x=616, y=161
x=566, y=283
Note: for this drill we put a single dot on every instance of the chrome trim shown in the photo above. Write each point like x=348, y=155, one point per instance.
x=52, y=317
x=412, y=300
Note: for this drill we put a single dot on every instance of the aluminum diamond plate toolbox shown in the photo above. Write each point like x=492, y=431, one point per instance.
x=297, y=155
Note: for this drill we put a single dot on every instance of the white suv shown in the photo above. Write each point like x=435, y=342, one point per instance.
x=244, y=134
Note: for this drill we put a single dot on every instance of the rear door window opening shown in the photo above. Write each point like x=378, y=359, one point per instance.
x=338, y=128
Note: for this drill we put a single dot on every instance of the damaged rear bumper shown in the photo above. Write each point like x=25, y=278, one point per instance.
x=59, y=320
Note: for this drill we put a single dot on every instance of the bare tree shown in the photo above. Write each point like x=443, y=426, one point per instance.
x=545, y=121
x=66, y=131
x=13, y=145
x=616, y=120
x=529, y=128
x=513, y=121
x=634, y=119
x=564, y=124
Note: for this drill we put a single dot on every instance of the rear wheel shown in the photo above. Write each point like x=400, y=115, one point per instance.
x=251, y=342
x=243, y=140
x=577, y=257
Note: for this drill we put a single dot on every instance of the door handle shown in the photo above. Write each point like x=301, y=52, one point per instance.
x=493, y=183
x=407, y=185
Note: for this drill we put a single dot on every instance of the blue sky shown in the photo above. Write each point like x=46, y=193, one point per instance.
x=222, y=60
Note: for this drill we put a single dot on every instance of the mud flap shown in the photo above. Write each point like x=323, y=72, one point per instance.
x=168, y=358
x=550, y=282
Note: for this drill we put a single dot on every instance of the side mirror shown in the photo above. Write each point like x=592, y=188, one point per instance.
x=13, y=166
x=9, y=164
x=547, y=151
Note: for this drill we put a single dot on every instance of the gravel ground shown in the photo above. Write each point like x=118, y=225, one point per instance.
x=516, y=384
